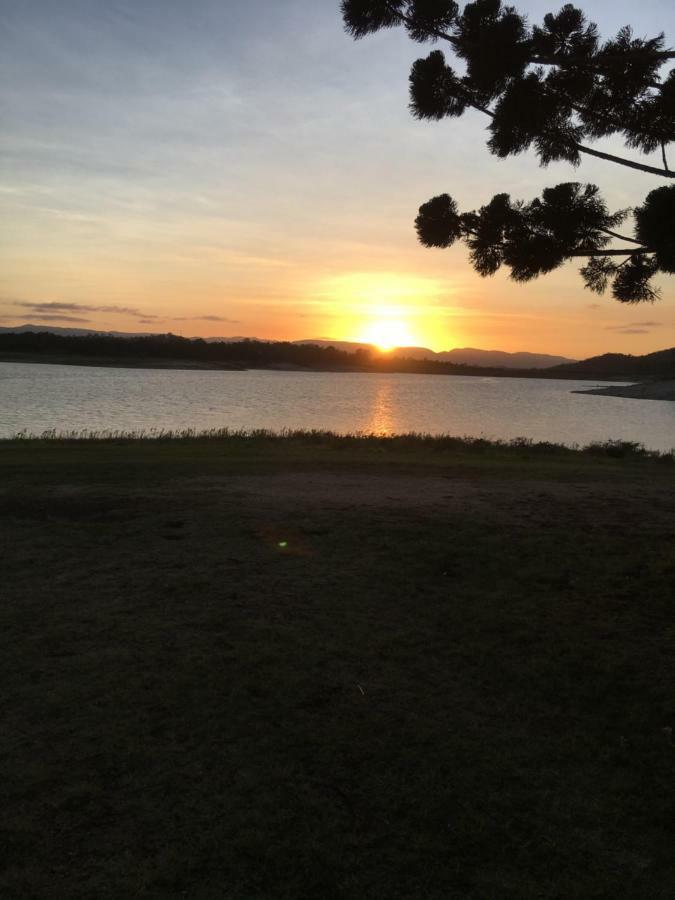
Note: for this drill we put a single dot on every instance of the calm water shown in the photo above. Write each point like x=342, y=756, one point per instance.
x=35, y=398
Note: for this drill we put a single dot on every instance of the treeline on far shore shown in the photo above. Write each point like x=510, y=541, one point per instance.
x=173, y=351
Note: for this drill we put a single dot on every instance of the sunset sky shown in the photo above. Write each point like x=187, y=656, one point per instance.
x=221, y=168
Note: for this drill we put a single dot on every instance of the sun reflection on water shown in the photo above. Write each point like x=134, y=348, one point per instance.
x=382, y=414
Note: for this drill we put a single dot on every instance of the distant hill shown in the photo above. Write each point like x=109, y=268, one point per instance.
x=84, y=332
x=69, y=332
x=660, y=364
x=465, y=356
x=468, y=356
x=68, y=344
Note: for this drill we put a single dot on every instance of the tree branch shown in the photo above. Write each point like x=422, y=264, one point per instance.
x=472, y=103
x=609, y=157
x=592, y=251
x=663, y=154
x=661, y=55
x=432, y=32
x=621, y=237
x=557, y=61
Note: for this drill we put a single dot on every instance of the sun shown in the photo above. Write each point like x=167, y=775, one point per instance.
x=387, y=334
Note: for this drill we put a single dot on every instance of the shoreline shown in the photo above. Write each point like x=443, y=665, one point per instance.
x=647, y=390
x=119, y=363
x=204, y=366
x=354, y=448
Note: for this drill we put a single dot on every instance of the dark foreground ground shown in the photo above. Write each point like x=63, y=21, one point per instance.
x=330, y=670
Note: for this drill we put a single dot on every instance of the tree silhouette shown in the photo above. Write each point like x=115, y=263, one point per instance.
x=553, y=89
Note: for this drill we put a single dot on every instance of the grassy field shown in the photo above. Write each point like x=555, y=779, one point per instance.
x=313, y=667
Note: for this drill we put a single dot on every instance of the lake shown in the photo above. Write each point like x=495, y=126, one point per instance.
x=35, y=398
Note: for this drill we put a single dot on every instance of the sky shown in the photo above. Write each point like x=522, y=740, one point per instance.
x=219, y=168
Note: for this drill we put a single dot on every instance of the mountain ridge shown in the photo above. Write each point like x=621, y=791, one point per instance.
x=658, y=364
x=34, y=344
x=470, y=356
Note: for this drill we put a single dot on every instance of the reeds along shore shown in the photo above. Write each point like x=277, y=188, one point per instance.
x=410, y=441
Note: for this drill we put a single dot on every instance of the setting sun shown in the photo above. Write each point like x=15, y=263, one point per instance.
x=387, y=334
x=386, y=309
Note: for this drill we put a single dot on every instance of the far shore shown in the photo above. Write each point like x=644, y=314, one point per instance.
x=188, y=365
x=648, y=390
x=121, y=362
x=117, y=362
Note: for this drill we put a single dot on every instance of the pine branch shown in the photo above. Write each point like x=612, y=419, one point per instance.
x=594, y=251
x=663, y=55
x=609, y=157
x=468, y=98
x=560, y=61
x=620, y=237
x=564, y=61
x=432, y=32
x=591, y=251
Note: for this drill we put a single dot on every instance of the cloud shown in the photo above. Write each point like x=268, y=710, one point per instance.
x=634, y=327
x=56, y=309
x=53, y=317
x=41, y=307
x=205, y=319
x=594, y=306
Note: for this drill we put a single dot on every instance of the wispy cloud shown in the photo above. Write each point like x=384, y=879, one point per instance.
x=634, y=327
x=63, y=310
x=204, y=319
x=50, y=317
x=53, y=306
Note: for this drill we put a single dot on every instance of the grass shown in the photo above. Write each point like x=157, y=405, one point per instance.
x=262, y=437
x=310, y=666
x=261, y=449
